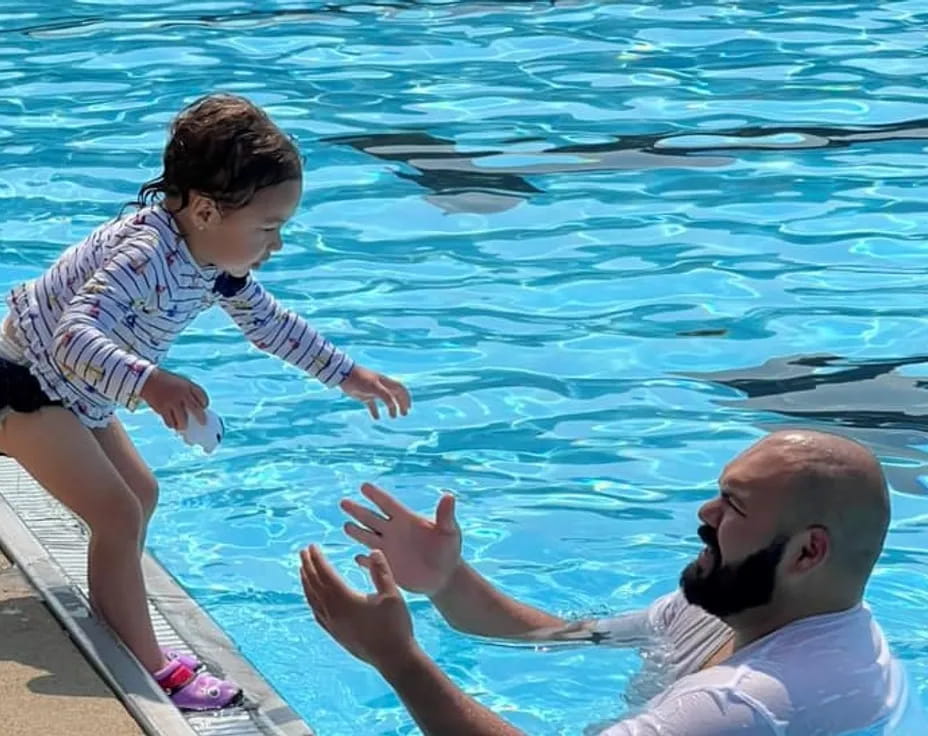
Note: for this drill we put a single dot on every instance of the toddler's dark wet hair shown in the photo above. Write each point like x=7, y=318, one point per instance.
x=226, y=148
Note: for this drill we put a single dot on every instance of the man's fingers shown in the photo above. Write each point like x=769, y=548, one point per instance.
x=330, y=582
x=306, y=562
x=381, y=574
x=308, y=589
x=384, y=501
x=363, y=561
x=314, y=587
x=372, y=408
x=364, y=536
x=374, y=522
x=309, y=582
x=317, y=606
x=444, y=514
x=307, y=568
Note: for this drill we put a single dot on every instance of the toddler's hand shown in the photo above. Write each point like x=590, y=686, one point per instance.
x=368, y=386
x=172, y=396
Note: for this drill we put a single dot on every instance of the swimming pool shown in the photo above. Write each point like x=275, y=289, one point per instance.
x=561, y=224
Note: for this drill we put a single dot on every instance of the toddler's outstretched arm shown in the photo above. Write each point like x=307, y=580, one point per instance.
x=281, y=332
x=288, y=336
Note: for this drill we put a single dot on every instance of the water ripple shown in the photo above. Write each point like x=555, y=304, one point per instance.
x=606, y=244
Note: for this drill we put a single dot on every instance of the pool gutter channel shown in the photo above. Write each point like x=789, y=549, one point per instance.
x=49, y=546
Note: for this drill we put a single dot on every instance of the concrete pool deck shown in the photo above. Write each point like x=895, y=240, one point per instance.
x=46, y=685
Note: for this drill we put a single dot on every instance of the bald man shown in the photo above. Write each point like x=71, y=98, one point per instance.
x=767, y=634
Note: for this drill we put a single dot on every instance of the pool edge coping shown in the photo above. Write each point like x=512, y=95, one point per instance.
x=265, y=711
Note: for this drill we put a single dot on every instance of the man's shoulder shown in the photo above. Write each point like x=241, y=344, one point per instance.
x=835, y=669
x=851, y=636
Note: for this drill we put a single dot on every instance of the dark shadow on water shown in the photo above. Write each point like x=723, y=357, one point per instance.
x=319, y=11
x=473, y=181
x=867, y=400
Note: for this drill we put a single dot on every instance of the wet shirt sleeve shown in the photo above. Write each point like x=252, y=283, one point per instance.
x=639, y=627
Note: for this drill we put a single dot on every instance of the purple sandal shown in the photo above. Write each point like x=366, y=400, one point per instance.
x=190, y=690
x=188, y=660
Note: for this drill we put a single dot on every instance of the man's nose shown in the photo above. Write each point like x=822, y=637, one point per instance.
x=710, y=512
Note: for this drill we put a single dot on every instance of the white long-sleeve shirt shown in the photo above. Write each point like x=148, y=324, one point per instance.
x=95, y=325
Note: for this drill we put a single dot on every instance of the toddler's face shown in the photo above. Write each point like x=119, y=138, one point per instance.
x=245, y=238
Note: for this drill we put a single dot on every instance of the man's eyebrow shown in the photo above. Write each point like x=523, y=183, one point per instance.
x=729, y=492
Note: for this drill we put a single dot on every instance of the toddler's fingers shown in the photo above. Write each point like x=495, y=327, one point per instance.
x=179, y=413
x=170, y=418
x=386, y=396
x=198, y=412
x=400, y=400
x=402, y=395
x=200, y=395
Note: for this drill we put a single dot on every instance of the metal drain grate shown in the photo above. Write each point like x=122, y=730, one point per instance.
x=49, y=545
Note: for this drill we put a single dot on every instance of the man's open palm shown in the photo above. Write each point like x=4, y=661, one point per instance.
x=423, y=554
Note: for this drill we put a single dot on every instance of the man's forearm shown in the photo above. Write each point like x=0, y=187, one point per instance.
x=439, y=706
x=471, y=604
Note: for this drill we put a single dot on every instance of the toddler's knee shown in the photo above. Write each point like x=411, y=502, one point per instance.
x=121, y=513
x=146, y=491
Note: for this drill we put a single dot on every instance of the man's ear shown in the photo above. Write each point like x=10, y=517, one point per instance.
x=810, y=549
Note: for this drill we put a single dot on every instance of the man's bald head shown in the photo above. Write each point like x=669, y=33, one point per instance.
x=836, y=483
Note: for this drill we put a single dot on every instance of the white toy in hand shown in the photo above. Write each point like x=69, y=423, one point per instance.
x=208, y=436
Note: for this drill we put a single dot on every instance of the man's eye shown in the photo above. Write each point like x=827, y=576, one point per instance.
x=727, y=499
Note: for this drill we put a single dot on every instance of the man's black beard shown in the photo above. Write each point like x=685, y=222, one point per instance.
x=732, y=588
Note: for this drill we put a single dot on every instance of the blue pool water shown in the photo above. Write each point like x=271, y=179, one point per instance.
x=600, y=241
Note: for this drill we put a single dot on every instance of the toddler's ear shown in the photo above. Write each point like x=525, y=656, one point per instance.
x=204, y=210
